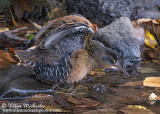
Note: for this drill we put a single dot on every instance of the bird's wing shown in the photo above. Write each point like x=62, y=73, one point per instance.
x=73, y=18
x=64, y=30
x=51, y=59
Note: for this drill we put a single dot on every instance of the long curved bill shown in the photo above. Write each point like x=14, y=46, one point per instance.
x=117, y=65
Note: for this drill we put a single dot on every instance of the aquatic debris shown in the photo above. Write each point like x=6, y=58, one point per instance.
x=135, y=109
x=152, y=96
x=83, y=102
x=134, y=83
x=152, y=82
x=150, y=40
x=7, y=59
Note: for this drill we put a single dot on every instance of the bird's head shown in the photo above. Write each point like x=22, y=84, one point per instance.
x=104, y=57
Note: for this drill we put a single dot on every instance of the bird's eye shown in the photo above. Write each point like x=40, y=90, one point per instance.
x=110, y=60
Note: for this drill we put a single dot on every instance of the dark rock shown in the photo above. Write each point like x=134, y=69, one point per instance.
x=106, y=11
x=19, y=82
x=121, y=37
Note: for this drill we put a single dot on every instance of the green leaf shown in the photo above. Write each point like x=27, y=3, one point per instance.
x=30, y=36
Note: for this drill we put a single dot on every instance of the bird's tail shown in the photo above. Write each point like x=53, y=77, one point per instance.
x=24, y=57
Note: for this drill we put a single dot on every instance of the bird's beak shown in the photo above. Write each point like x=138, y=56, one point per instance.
x=117, y=65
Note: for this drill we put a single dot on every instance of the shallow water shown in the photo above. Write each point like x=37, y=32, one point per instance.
x=18, y=83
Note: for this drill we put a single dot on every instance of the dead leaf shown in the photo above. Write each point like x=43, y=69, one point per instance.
x=147, y=70
x=39, y=97
x=53, y=107
x=48, y=102
x=135, y=109
x=152, y=82
x=150, y=40
x=156, y=30
x=61, y=100
x=83, y=102
x=152, y=25
x=135, y=83
x=73, y=100
x=6, y=59
x=146, y=20
x=152, y=55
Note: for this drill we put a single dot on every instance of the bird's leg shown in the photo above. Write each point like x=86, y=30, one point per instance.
x=74, y=85
x=63, y=86
x=66, y=88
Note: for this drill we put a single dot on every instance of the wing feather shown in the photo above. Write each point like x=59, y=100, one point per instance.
x=61, y=33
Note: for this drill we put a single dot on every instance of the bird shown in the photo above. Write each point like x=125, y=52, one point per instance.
x=121, y=37
x=63, y=57
x=53, y=24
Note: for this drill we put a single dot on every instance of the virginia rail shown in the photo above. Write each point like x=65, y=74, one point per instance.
x=121, y=37
x=63, y=57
